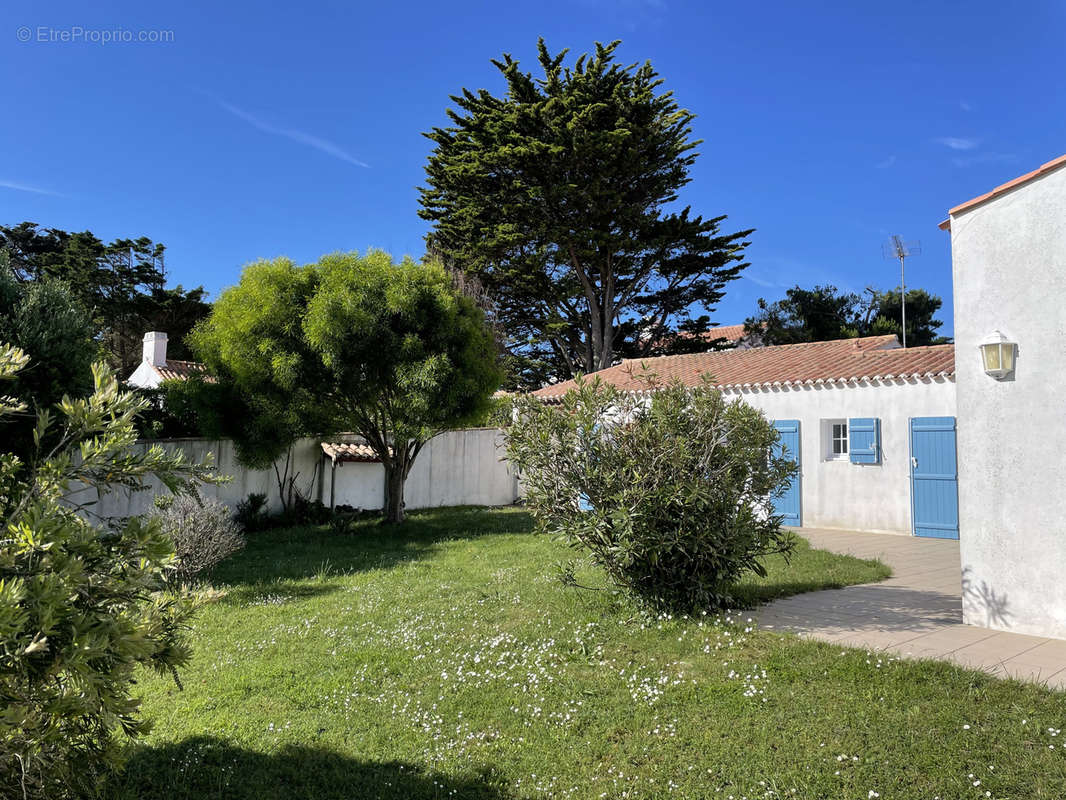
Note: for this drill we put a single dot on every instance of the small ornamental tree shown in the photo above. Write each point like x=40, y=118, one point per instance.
x=672, y=494
x=82, y=605
x=391, y=351
x=267, y=389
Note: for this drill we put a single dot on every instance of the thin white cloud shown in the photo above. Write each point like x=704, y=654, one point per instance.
x=965, y=106
x=888, y=162
x=308, y=139
x=759, y=281
x=25, y=187
x=957, y=142
x=984, y=158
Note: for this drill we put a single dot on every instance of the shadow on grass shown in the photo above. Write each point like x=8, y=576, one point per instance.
x=750, y=595
x=298, y=553
x=205, y=767
x=807, y=570
x=274, y=593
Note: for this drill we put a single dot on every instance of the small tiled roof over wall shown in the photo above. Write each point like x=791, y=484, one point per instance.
x=868, y=358
x=351, y=451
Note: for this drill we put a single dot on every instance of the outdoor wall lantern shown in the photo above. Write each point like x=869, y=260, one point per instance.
x=997, y=355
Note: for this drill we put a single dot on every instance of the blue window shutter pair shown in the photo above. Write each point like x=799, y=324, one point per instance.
x=864, y=440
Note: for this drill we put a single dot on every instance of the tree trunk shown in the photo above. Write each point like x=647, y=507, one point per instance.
x=395, y=475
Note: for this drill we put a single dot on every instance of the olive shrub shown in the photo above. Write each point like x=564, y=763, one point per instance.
x=83, y=605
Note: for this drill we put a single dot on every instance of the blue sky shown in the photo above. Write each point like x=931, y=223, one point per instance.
x=259, y=131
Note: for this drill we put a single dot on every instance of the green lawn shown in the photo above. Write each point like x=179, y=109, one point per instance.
x=445, y=660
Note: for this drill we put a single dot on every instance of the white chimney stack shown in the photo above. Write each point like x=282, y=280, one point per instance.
x=155, y=348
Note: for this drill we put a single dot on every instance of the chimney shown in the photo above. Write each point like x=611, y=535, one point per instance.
x=155, y=348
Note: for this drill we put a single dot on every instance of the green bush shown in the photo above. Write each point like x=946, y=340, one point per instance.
x=251, y=514
x=670, y=492
x=82, y=606
x=44, y=321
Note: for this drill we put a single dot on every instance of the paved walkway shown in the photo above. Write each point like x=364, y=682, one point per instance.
x=916, y=613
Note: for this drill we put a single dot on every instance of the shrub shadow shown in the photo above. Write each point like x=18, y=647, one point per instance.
x=751, y=595
x=205, y=768
x=298, y=553
x=981, y=598
x=274, y=593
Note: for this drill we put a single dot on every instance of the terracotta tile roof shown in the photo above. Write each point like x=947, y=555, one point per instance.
x=350, y=451
x=174, y=370
x=731, y=333
x=1050, y=166
x=872, y=357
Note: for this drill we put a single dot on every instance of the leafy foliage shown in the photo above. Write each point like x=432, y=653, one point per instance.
x=122, y=285
x=251, y=512
x=81, y=606
x=44, y=321
x=392, y=351
x=556, y=196
x=825, y=313
x=922, y=325
x=171, y=412
x=671, y=495
x=204, y=534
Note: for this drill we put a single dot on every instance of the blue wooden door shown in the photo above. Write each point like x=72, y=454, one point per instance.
x=934, y=478
x=789, y=504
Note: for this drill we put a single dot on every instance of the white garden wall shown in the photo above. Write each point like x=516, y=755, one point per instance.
x=839, y=494
x=463, y=467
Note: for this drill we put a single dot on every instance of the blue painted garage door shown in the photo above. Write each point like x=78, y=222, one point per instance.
x=934, y=478
x=789, y=504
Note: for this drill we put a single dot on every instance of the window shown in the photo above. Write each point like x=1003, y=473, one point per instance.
x=835, y=438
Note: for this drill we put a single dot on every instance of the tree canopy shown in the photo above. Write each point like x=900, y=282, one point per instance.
x=824, y=313
x=561, y=197
x=121, y=284
x=46, y=323
x=391, y=351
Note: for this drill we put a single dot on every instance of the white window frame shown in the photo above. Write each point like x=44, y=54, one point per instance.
x=829, y=438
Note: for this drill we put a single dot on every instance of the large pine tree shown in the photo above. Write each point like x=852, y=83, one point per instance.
x=561, y=196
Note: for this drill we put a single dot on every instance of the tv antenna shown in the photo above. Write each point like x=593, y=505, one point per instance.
x=895, y=247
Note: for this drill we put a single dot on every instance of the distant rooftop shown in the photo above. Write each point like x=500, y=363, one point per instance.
x=174, y=370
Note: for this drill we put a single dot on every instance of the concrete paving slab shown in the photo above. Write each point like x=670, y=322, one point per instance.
x=916, y=613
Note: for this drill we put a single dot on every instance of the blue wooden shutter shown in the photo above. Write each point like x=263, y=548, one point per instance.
x=864, y=440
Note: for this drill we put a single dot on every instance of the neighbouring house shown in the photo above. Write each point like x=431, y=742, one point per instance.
x=1008, y=252
x=850, y=411
x=733, y=336
x=727, y=336
x=155, y=367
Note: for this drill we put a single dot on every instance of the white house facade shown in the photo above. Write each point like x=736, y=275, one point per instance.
x=837, y=491
x=854, y=413
x=1009, y=265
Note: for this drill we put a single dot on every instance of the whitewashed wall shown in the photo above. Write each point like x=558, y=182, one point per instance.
x=839, y=494
x=1009, y=263
x=457, y=468
x=463, y=467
